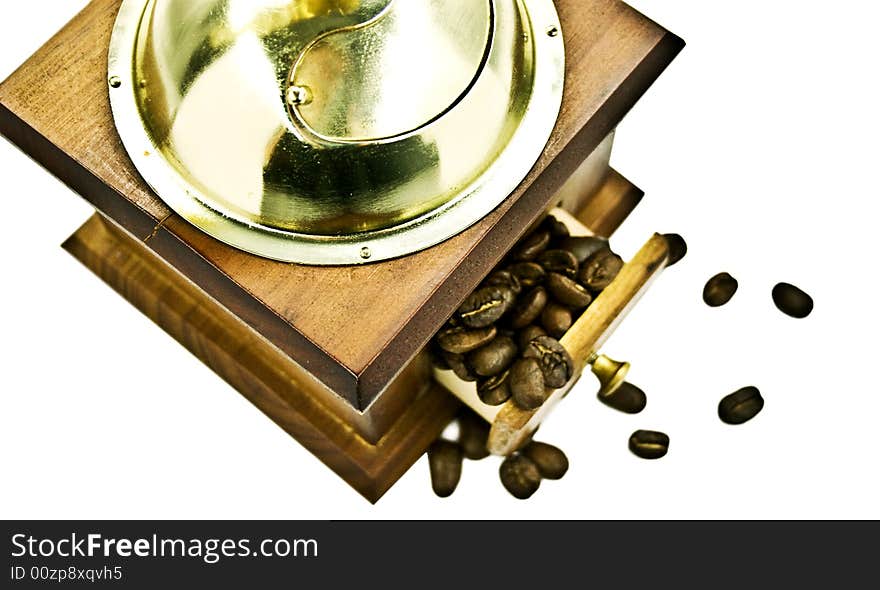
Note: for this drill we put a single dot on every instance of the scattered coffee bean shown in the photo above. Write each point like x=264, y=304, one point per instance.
x=558, y=230
x=444, y=462
x=504, y=278
x=556, y=319
x=557, y=366
x=528, y=308
x=494, y=391
x=529, y=274
x=792, y=301
x=559, y=261
x=677, y=248
x=568, y=292
x=740, y=406
x=532, y=246
x=550, y=461
x=458, y=366
x=583, y=246
x=527, y=384
x=600, y=269
x=648, y=444
x=553, y=274
x=493, y=358
x=719, y=289
x=485, y=306
x=460, y=340
x=529, y=333
x=627, y=398
x=473, y=433
x=520, y=476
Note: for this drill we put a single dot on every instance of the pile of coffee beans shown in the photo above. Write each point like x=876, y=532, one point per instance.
x=505, y=336
x=521, y=473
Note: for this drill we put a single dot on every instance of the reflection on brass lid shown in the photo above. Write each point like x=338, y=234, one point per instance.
x=313, y=131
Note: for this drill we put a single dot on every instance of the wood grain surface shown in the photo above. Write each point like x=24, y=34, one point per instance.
x=370, y=449
x=261, y=372
x=353, y=328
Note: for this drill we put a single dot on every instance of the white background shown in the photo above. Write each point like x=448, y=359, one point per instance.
x=759, y=145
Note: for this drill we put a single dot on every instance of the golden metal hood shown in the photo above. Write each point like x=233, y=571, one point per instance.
x=335, y=131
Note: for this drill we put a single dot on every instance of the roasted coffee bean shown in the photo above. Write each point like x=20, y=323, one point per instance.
x=559, y=261
x=556, y=319
x=527, y=334
x=503, y=278
x=792, y=301
x=550, y=461
x=527, y=384
x=648, y=444
x=600, y=269
x=485, y=306
x=531, y=246
x=493, y=358
x=556, y=364
x=567, y=292
x=529, y=274
x=740, y=406
x=583, y=246
x=627, y=398
x=494, y=391
x=719, y=289
x=677, y=248
x=460, y=340
x=473, y=433
x=444, y=462
x=459, y=367
x=520, y=476
x=558, y=230
x=528, y=308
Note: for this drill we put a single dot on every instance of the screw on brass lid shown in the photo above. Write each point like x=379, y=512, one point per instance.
x=335, y=131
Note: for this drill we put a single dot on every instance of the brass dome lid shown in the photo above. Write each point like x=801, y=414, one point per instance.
x=335, y=131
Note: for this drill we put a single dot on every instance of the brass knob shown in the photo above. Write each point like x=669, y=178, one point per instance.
x=611, y=373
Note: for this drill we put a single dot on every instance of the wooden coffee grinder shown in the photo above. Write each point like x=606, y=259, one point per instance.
x=303, y=192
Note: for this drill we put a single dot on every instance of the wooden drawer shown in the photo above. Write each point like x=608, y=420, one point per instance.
x=511, y=425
